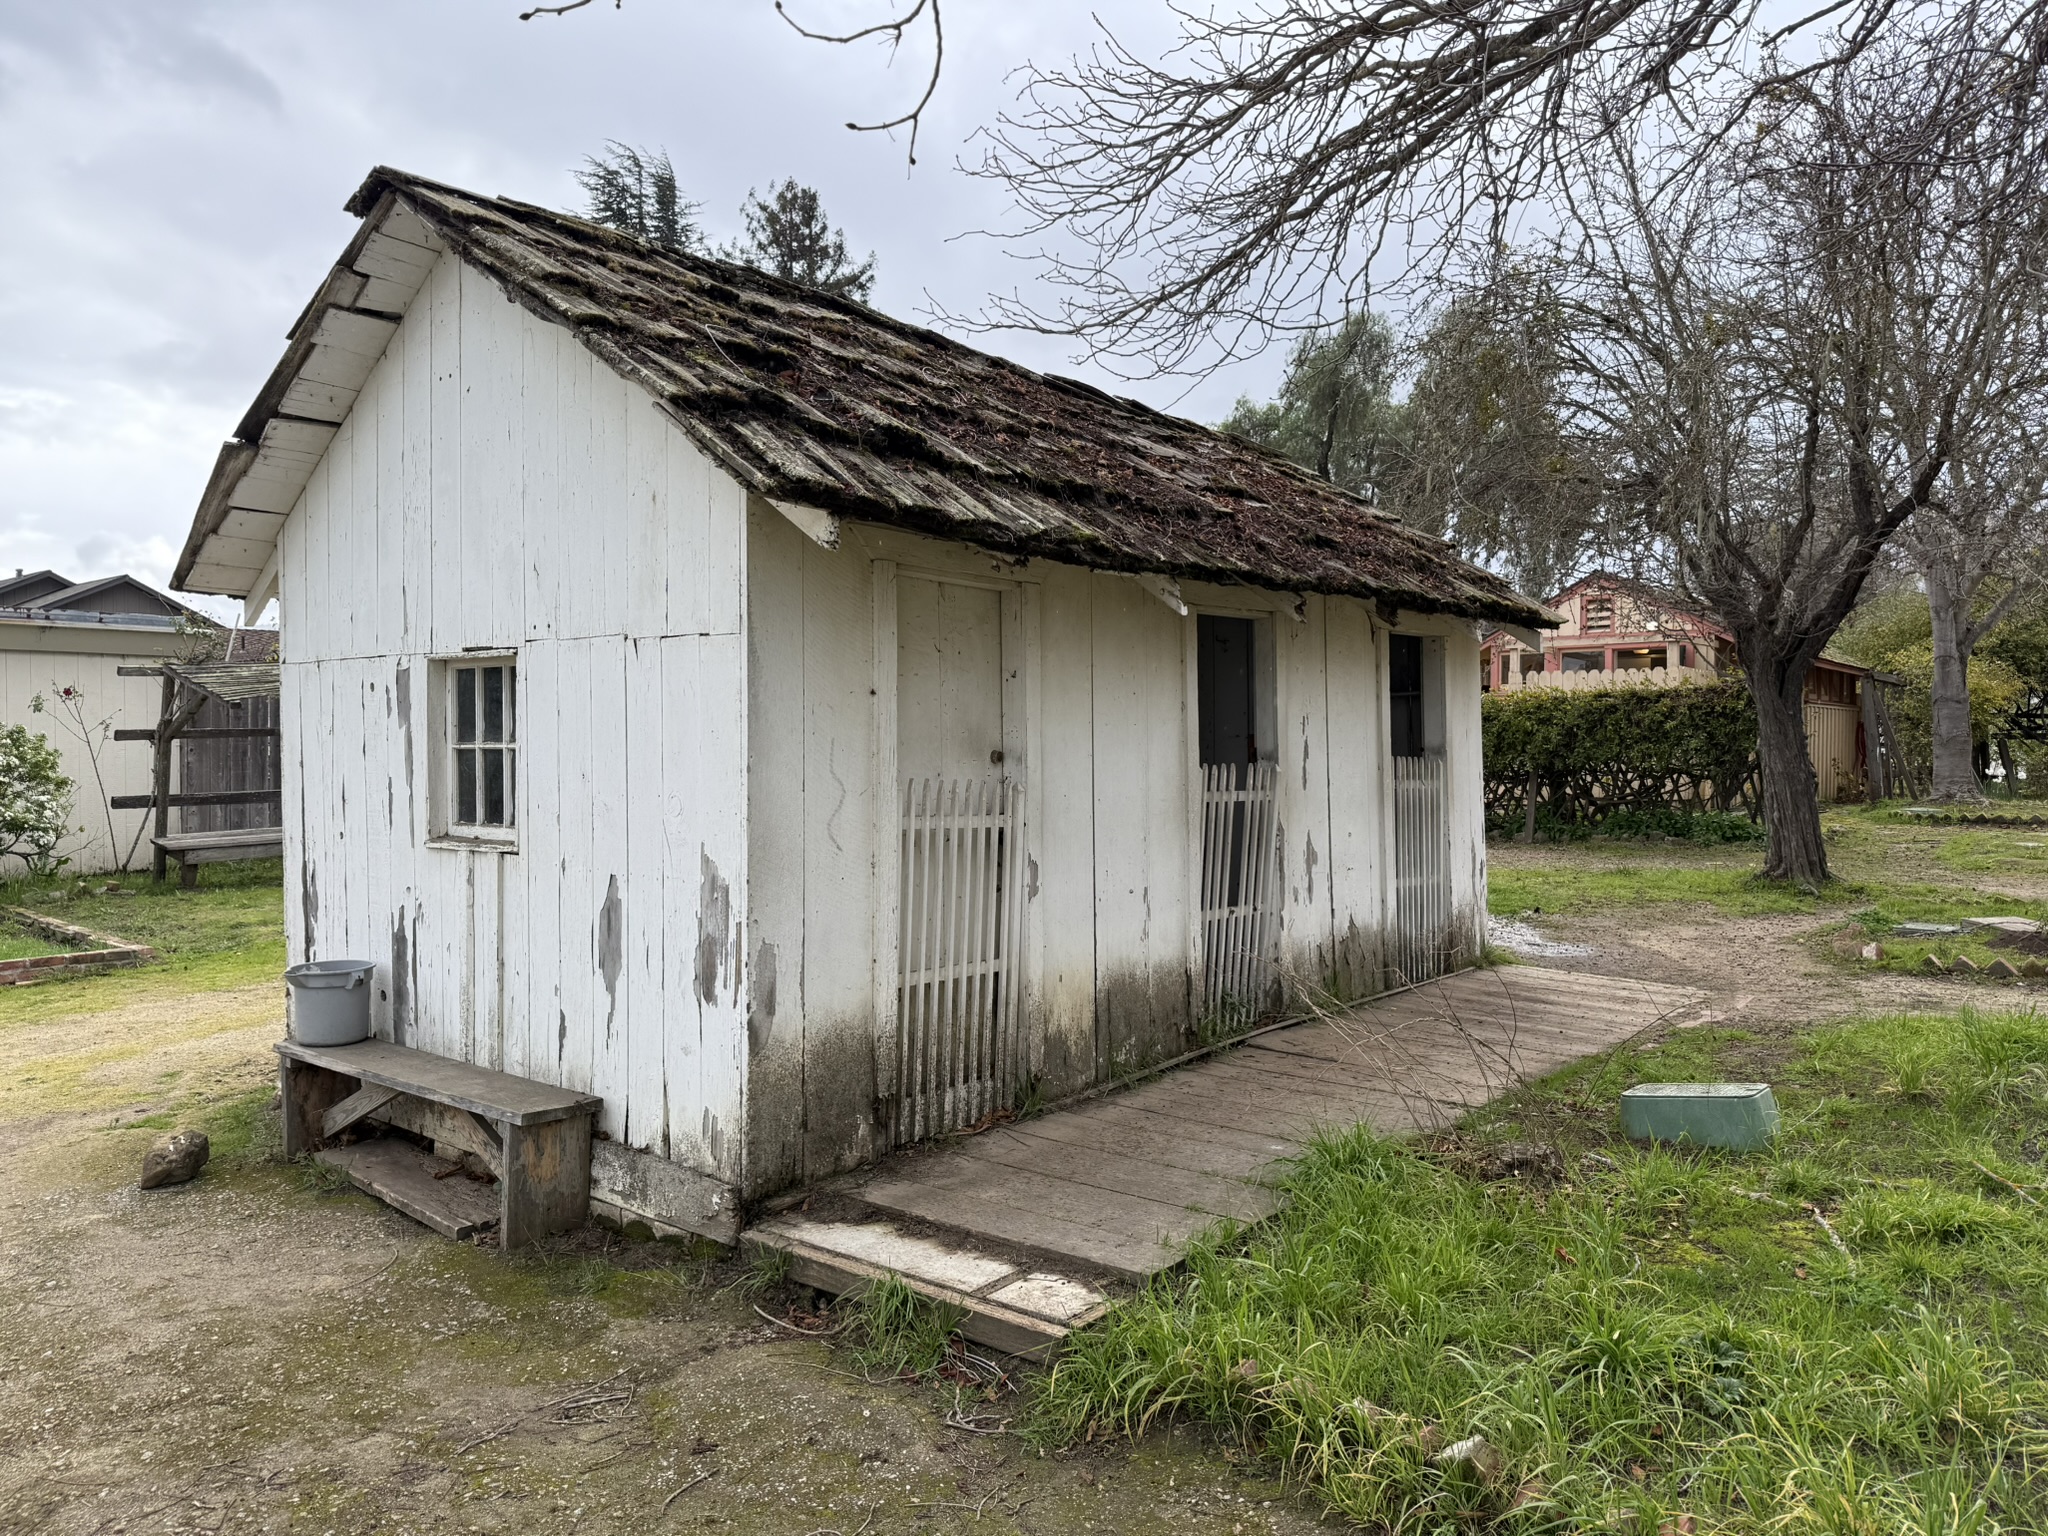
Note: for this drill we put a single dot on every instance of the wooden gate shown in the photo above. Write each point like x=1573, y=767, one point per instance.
x=1240, y=891
x=1422, y=875
x=961, y=909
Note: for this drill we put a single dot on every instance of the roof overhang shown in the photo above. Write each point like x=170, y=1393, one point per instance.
x=257, y=479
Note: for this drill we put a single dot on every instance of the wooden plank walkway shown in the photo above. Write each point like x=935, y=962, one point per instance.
x=1118, y=1184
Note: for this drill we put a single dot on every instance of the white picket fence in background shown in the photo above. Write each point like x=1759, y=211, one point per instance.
x=961, y=920
x=1422, y=873
x=1240, y=889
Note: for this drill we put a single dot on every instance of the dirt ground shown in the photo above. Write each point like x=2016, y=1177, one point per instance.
x=254, y=1352
x=258, y=1351
x=1772, y=971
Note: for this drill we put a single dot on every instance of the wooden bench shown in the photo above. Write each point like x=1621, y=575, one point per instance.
x=192, y=849
x=534, y=1138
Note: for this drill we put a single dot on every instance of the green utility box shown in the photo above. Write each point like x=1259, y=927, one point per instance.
x=1739, y=1116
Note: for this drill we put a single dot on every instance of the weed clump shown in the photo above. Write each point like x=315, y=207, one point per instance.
x=892, y=1331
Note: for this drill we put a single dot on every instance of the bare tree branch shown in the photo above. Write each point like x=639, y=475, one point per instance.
x=894, y=30
x=1185, y=208
x=563, y=9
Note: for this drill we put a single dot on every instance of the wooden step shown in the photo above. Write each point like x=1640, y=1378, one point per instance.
x=1005, y=1305
x=403, y=1176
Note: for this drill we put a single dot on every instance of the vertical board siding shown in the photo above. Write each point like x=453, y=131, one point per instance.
x=687, y=927
x=233, y=763
x=1356, y=784
x=1144, y=1004
x=1063, y=811
x=106, y=695
x=1302, y=790
x=495, y=487
x=1464, y=800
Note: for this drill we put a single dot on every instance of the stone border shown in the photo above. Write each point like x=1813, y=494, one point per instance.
x=112, y=954
x=1937, y=816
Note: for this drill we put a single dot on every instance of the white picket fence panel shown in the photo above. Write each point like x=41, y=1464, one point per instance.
x=961, y=917
x=1422, y=873
x=1240, y=889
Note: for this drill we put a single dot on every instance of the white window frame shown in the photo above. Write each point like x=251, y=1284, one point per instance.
x=442, y=694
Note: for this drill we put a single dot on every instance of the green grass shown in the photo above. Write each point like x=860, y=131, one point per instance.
x=18, y=943
x=1996, y=852
x=229, y=932
x=1650, y=1340
x=1737, y=890
x=1886, y=866
x=894, y=1332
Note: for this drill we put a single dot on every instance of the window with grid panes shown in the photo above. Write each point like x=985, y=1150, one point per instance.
x=483, y=736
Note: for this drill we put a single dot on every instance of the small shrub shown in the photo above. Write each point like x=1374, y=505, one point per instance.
x=35, y=800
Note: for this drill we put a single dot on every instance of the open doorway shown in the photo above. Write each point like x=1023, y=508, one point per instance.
x=1240, y=863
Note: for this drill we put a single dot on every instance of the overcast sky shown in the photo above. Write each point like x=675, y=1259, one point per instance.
x=173, y=176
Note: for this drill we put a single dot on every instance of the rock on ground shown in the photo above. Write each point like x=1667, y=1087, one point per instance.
x=175, y=1159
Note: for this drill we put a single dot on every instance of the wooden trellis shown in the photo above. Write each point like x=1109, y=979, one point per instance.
x=187, y=689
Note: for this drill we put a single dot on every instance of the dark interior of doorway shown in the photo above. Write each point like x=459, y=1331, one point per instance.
x=1225, y=688
x=1404, y=695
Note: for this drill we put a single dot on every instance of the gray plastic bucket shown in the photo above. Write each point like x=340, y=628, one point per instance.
x=330, y=1001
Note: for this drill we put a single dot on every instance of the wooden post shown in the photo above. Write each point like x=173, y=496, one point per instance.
x=1529, y=812
x=160, y=777
x=171, y=723
x=544, y=1186
x=305, y=1094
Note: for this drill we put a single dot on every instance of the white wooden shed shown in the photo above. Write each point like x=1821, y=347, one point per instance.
x=802, y=731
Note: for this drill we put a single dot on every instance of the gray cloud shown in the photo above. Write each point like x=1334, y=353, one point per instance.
x=176, y=172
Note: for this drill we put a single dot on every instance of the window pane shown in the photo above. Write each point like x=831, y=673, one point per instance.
x=511, y=789
x=494, y=703
x=511, y=702
x=465, y=703
x=465, y=787
x=494, y=789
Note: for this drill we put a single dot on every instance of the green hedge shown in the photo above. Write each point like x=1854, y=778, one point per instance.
x=1678, y=761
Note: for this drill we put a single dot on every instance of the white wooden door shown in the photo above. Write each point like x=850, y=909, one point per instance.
x=959, y=903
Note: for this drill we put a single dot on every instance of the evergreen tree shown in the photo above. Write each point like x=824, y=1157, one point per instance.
x=634, y=191
x=1335, y=415
x=789, y=235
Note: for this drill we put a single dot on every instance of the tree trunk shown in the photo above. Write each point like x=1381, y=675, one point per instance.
x=1794, y=850
x=1955, y=771
x=2005, y=761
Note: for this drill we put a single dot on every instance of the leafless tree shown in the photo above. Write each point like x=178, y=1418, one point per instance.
x=1249, y=179
x=1785, y=340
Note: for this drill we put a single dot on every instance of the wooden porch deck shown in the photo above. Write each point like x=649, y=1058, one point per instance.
x=1112, y=1188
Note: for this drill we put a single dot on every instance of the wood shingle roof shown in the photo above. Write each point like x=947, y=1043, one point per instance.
x=821, y=402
